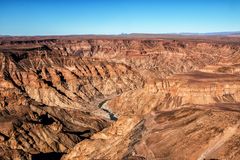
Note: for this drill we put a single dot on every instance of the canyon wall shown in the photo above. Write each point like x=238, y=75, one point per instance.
x=119, y=99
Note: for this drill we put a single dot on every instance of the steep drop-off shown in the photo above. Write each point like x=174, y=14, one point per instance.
x=119, y=98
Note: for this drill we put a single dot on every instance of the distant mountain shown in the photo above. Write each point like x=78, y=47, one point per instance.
x=136, y=35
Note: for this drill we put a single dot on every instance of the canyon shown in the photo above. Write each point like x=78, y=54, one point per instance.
x=120, y=97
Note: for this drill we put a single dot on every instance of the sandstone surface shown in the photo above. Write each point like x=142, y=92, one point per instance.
x=119, y=98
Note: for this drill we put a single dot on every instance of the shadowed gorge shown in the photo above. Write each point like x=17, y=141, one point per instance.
x=119, y=97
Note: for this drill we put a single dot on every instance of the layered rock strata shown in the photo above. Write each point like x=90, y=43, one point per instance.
x=119, y=99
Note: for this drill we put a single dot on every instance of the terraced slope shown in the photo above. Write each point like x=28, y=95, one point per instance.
x=119, y=98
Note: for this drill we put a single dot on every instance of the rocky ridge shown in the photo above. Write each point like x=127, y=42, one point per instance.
x=119, y=99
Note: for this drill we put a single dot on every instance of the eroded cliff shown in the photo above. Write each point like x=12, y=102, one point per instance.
x=119, y=99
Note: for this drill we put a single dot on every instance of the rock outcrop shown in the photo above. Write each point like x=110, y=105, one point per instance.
x=116, y=98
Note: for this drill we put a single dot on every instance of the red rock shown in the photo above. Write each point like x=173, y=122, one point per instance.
x=116, y=98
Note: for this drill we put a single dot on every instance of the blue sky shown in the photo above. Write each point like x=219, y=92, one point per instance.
x=62, y=17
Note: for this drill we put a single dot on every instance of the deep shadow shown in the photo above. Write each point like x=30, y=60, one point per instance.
x=47, y=156
x=44, y=119
x=82, y=134
x=18, y=57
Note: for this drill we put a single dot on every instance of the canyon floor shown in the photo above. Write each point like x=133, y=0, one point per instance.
x=120, y=97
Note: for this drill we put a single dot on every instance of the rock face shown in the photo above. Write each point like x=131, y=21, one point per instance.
x=119, y=98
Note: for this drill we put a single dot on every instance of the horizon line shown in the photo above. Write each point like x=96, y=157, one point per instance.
x=125, y=34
